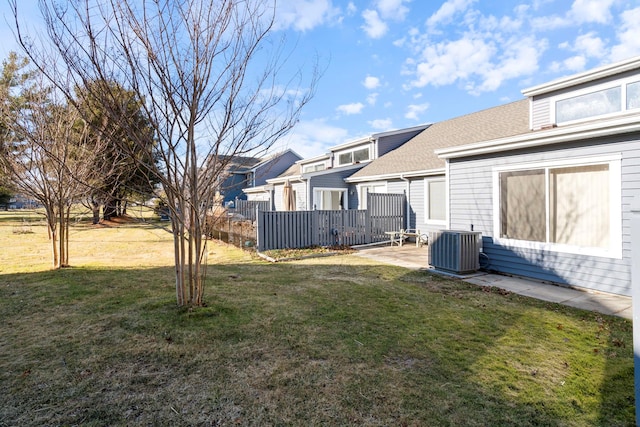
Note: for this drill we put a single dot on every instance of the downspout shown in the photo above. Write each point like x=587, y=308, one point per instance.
x=408, y=207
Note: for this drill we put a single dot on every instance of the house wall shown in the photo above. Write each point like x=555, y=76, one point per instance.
x=274, y=167
x=471, y=203
x=391, y=142
x=334, y=180
x=541, y=104
x=416, y=209
x=300, y=191
x=232, y=187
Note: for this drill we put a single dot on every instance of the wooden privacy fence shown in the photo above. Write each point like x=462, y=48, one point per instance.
x=300, y=229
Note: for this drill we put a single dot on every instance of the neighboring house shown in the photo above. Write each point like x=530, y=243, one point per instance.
x=319, y=182
x=547, y=180
x=416, y=170
x=554, y=203
x=249, y=172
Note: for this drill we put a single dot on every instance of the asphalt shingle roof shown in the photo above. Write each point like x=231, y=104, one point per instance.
x=418, y=154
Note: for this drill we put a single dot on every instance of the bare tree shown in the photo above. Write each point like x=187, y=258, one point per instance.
x=211, y=77
x=46, y=158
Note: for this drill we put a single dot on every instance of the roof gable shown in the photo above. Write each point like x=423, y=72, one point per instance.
x=418, y=153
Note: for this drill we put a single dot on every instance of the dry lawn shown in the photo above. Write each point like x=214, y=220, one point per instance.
x=326, y=341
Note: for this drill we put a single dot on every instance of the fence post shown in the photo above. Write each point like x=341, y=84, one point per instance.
x=259, y=222
x=635, y=293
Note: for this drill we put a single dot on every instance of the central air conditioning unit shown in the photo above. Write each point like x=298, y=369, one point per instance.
x=455, y=251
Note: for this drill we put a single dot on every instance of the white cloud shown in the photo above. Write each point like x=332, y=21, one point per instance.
x=581, y=12
x=392, y=9
x=586, y=46
x=627, y=35
x=519, y=58
x=449, y=61
x=447, y=11
x=348, y=109
x=574, y=64
x=304, y=15
x=590, y=45
x=381, y=124
x=374, y=26
x=414, y=111
x=547, y=23
x=371, y=82
x=372, y=99
x=311, y=138
x=584, y=11
x=351, y=8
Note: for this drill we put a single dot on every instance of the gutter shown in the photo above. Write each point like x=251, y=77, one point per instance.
x=396, y=175
x=408, y=202
x=629, y=124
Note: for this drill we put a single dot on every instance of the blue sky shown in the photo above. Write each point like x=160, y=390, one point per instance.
x=392, y=64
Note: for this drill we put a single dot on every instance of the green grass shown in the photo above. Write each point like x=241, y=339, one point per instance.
x=324, y=341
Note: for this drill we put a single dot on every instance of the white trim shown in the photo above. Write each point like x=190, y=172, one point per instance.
x=308, y=165
x=448, y=192
x=318, y=158
x=585, y=77
x=316, y=198
x=359, y=188
x=621, y=83
x=615, y=206
x=352, y=151
x=397, y=175
x=427, y=201
x=626, y=124
x=349, y=144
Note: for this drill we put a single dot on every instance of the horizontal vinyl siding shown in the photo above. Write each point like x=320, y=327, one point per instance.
x=471, y=202
x=300, y=189
x=541, y=113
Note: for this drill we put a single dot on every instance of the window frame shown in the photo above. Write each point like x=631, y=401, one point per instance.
x=622, y=84
x=427, y=202
x=615, y=206
x=318, y=199
x=313, y=167
x=360, y=188
x=351, y=154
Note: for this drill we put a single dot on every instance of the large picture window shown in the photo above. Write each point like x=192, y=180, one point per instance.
x=568, y=205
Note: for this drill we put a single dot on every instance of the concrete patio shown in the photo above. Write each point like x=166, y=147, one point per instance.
x=416, y=258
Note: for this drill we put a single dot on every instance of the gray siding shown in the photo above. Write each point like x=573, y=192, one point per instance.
x=333, y=180
x=416, y=215
x=391, y=142
x=541, y=105
x=274, y=167
x=541, y=113
x=300, y=191
x=471, y=203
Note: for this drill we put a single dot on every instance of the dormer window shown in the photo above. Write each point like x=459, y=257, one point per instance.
x=596, y=102
x=633, y=95
x=355, y=156
x=315, y=167
x=592, y=104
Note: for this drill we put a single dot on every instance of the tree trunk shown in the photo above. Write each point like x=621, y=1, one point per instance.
x=109, y=209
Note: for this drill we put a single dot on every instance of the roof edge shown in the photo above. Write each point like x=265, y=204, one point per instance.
x=584, y=77
x=395, y=175
x=618, y=126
